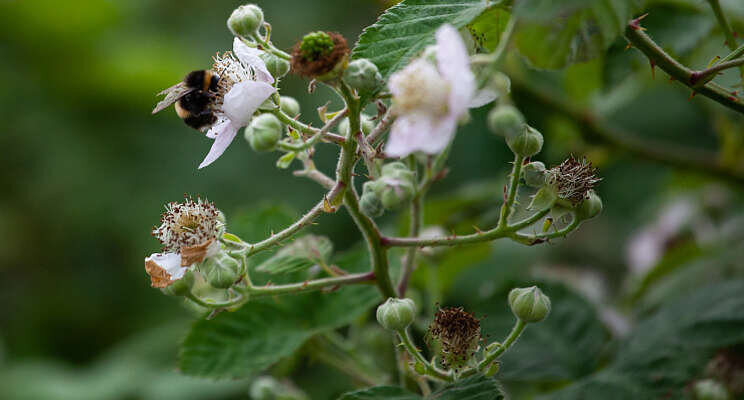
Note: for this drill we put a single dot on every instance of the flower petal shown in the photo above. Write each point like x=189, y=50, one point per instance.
x=249, y=56
x=419, y=132
x=225, y=135
x=483, y=97
x=454, y=65
x=164, y=269
x=243, y=100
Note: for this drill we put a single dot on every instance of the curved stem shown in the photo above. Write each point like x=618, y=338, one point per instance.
x=634, y=33
x=513, y=336
x=542, y=237
x=315, y=284
x=506, y=208
x=409, y=263
x=214, y=304
x=307, y=129
x=405, y=339
x=727, y=33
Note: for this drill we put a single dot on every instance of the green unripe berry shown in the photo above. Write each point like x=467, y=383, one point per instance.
x=289, y=106
x=277, y=67
x=264, y=132
x=315, y=45
x=370, y=202
x=366, y=124
x=506, y=121
x=529, y=304
x=221, y=271
x=590, y=207
x=246, y=20
x=527, y=143
x=363, y=76
x=396, y=314
x=181, y=287
x=534, y=174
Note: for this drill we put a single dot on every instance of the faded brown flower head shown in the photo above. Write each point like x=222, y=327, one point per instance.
x=318, y=60
x=573, y=179
x=188, y=224
x=458, y=333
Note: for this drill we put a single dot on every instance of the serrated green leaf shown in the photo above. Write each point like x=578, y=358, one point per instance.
x=380, y=393
x=301, y=254
x=476, y=387
x=669, y=350
x=487, y=28
x=405, y=29
x=553, y=34
x=244, y=342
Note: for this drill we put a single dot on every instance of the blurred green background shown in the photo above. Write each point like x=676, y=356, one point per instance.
x=85, y=170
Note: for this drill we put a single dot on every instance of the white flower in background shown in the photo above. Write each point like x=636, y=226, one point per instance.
x=245, y=84
x=188, y=232
x=429, y=100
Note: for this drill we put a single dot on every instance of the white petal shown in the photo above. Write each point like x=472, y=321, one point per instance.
x=170, y=262
x=483, y=97
x=249, y=56
x=225, y=136
x=454, y=65
x=419, y=132
x=243, y=100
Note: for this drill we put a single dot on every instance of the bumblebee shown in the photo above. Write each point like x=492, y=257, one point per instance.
x=194, y=98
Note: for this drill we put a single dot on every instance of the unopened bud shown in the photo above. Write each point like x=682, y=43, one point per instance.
x=370, y=202
x=366, y=124
x=396, y=314
x=289, y=106
x=526, y=143
x=220, y=271
x=534, y=174
x=506, y=121
x=246, y=20
x=276, y=66
x=590, y=207
x=398, y=185
x=180, y=287
x=363, y=76
x=264, y=132
x=529, y=304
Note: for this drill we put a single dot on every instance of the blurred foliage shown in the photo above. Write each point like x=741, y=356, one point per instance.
x=86, y=170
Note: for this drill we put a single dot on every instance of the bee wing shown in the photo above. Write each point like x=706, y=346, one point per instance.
x=172, y=94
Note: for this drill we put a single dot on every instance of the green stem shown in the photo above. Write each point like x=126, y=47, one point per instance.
x=306, y=129
x=301, y=287
x=658, y=57
x=725, y=27
x=513, y=336
x=315, y=137
x=506, y=208
x=413, y=231
x=214, y=304
x=431, y=371
x=542, y=237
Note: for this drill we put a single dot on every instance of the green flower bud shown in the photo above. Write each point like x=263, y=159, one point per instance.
x=590, y=207
x=529, y=304
x=264, y=132
x=221, y=271
x=527, y=143
x=709, y=389
x=363, y=76
x=370, y=202
x=181, y=287
x=366, y=124
x=506, y=121
x=396, y=314
x=277, y=67
x=534, y=174
x=246, y=20
x=289, y=106
x=397, y=185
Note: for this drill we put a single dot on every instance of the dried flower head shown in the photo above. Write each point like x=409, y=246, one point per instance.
x=573, y=179
x=318, y=54
x=188, y=224
x=458, y=333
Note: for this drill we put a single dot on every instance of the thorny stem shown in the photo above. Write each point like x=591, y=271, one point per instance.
x=592, y=128
x=658, y=57
x=542, y=237
x=381, y=127
x=409, y=262
x=315, y=284
x=513, y=336
x=506, y=208
x=316, y=136
x=715, y=5
x=432, y=371
x=707, y=74
x=307, y=129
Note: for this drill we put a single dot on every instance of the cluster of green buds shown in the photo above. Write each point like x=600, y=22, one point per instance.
x=565, y=187
x=508, y=122
x=395, y=187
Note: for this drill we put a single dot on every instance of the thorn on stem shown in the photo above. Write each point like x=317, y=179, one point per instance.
x=653, y=70
x=635, y=23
